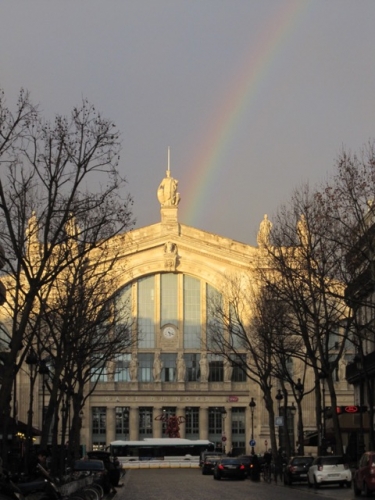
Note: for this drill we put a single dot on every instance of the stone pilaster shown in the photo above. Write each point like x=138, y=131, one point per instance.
x=203, y=423
x=134, y=423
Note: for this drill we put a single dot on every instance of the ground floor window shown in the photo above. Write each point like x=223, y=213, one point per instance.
x=238, y=421
x=145, y=422
x=99, y=423
x=192, y=423
x=122, y=422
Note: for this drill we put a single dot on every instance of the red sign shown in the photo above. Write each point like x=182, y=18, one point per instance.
x=351, y=409
x=232, y=399
x=223, y=439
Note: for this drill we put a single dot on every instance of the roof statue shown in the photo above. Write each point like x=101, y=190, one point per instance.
x=167, y=190
x=263, y=238
x=303, y=231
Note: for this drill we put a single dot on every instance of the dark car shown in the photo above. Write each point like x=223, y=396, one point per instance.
x=230, y=468
x=296, y=469
x=364, y=476
x=209, y=463
x=252, y=465
x=111, y=463
x=94, y=468
x=207, y=454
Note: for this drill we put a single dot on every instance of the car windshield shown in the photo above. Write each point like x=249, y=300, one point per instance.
x=302, y=460
x=213, y=457
x=332, y=461
x=230, y=461
x=88, y=465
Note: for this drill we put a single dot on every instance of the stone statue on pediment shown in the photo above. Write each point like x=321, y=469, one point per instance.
x=167, y=191
x=170, y=256
x=263, y=238
x=303, y=231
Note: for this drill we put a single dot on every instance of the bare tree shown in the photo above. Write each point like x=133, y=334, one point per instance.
x=49, y=170
x=307, y=267
x=348, y=202
x=237, y=333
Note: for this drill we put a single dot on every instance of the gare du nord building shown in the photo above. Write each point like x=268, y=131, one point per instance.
x=171, y=273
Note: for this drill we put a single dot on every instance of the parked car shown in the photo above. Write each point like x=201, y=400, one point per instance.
x=94, y=468
x=111, y=463
x=230, y=468
x=209, y=463
x=329, y=469
x=296, y=469
x=247, y=461
x=252, y=464
x=364, y=476
x=206, y=454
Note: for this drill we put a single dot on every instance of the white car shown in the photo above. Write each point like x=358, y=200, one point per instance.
x=329, y=469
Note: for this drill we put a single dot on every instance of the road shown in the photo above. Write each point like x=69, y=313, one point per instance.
x=190, y=484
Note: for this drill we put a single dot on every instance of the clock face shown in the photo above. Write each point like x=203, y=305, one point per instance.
x=169, y=332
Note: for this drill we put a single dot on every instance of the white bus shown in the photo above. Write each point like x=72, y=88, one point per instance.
x=160, y=449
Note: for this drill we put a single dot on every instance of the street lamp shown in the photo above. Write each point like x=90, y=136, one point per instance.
x=252, y=405
x=279, y=397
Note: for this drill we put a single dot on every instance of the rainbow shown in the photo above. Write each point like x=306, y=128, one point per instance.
x=204, y=166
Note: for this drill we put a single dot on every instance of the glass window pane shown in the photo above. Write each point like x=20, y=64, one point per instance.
x=122, y=368
x=168, y=299
x=192, y=313
x=145, y=367
x=214, y=316
x=146, y=310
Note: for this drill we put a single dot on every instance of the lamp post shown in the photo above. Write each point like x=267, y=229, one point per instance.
x=223, y=436
x=322, y=377
x=252, y=405
x=279, y=398
x=43, y=370
x=293, y=411
x=31, y=361
x=300, y=389
x=360, y=441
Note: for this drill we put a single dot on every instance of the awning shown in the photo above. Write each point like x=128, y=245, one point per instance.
x=18, y=426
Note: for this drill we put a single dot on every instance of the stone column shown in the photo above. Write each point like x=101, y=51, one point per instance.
x=157, y=424
x=133, y=423
x=111, y=424
x=203, y=423
x=180, y=412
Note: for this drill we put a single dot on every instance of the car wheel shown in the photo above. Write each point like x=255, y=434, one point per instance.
x=203, y=472
x=308, y=483
x=348, y=484
x=216, y=476
x=341, y=485
x=357, y=491
x=285, y=481
x=316, y=484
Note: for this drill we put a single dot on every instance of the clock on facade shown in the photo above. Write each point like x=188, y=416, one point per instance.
x=169, y=332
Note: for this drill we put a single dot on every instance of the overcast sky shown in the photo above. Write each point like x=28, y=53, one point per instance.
x=254, y=97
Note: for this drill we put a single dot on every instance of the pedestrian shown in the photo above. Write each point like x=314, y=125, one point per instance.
x=279, y=466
